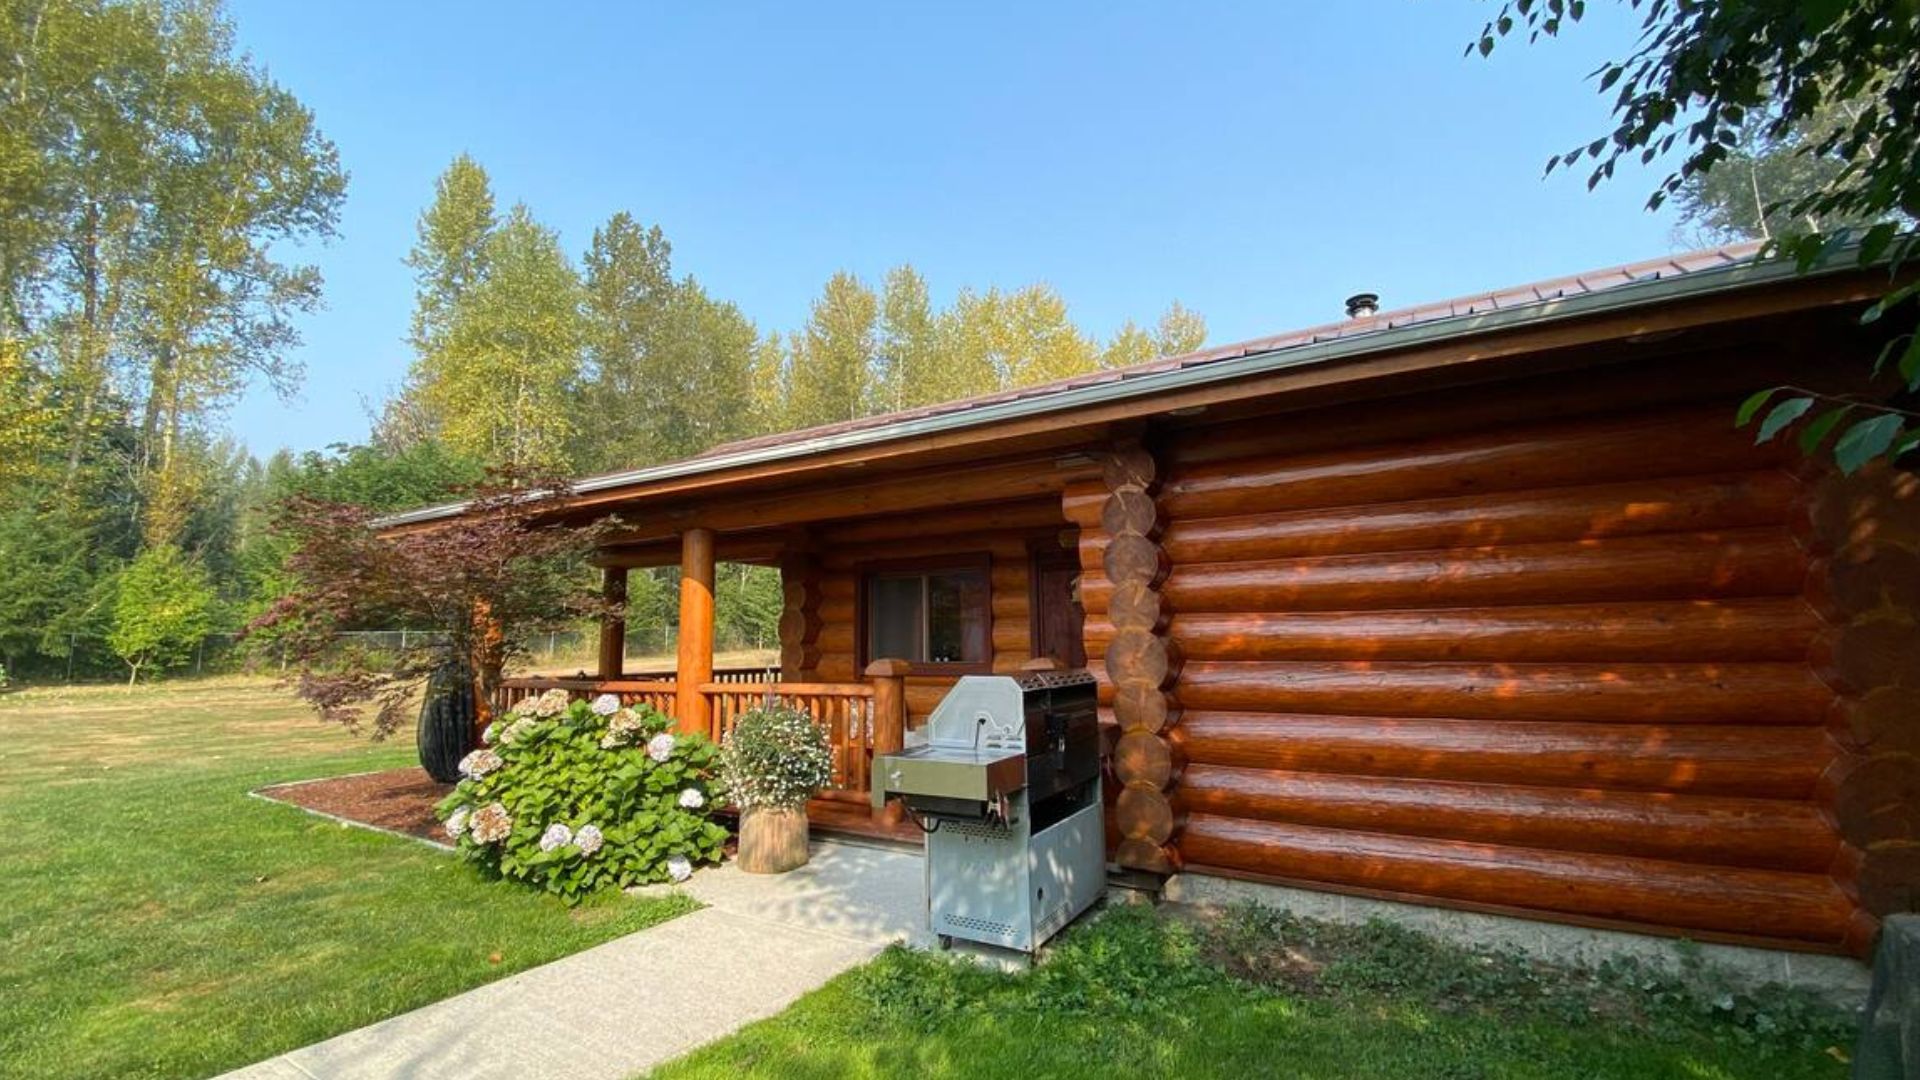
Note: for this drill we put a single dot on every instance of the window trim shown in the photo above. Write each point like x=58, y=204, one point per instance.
x=864, y=571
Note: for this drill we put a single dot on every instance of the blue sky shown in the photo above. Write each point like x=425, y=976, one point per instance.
x=1257, y=162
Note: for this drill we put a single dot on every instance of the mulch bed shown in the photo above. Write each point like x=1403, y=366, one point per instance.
x=397, y=799
x=403, y=800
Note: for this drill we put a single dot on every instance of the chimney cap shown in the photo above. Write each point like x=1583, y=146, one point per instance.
x=1362, y=305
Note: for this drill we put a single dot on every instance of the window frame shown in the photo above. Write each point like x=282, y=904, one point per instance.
x=982, y=562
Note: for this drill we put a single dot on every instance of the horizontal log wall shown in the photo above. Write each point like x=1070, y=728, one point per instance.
x=825, y=607
x=1585, y=669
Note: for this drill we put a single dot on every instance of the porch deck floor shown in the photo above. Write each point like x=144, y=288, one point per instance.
x=837, y=817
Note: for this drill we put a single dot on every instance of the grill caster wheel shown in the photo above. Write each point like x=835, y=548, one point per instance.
x=946, y=942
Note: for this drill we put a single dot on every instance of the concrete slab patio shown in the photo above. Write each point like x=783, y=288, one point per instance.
x=626, y=1006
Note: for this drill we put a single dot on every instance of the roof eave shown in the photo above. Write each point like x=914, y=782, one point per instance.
x=1618, y=298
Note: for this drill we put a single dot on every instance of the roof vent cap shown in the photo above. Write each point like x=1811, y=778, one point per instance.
x=1363, y=305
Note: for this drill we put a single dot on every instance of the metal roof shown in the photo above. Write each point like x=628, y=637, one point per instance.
x=1615, y=288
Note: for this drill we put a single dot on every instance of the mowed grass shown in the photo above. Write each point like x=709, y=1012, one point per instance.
x=157, y=921
x=1137, y=994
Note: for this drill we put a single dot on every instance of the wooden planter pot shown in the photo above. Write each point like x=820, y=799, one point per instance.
x=773, y=841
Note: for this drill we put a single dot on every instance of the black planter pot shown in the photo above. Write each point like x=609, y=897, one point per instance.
x=446, y=724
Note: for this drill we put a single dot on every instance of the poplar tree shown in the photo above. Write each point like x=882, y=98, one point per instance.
x=768, y=375
x=449, y=255
x=909, y=372
x=998, y=340
x=1180, y=330
x=833, y=357
x=629, y=289
x=501, y=385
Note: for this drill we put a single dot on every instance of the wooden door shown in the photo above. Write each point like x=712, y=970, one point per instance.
x=1058, y=618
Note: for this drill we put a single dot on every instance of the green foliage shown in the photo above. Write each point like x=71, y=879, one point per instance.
x=833, y=355
x=747, y=603
x=153, y=180
x=163, y=608
x=376, y=477
x=775, y=757
x=500, y=386
x=1272, y=947
x=668, y=359
x=1823, y=97
x=574, y=798
x=1750, y=194
x=861, y=354
x=1178, y=992
x=449, y=256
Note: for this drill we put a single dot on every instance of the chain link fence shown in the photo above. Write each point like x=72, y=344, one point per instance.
x=89, y=659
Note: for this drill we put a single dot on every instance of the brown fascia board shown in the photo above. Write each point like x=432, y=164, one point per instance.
x=1454, y=345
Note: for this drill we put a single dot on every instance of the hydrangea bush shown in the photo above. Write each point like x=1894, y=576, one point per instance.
x=576, y=796
x=775, y=757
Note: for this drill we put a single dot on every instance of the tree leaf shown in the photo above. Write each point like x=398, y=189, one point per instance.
x=1751, y=406
x=1875, y=243
x=1888, y=302
x=1909, y=367
x=1865, y=441
x=1820, y=427
x=1907, y=442
x=1880, y=361
x=1781, y=415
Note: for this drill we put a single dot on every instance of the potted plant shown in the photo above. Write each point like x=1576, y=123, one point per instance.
x=774, y=760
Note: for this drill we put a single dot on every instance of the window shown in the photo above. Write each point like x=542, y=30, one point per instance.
x=937, y=616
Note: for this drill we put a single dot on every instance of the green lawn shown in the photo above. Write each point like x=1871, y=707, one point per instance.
x=157, y=921
x=1138, y=995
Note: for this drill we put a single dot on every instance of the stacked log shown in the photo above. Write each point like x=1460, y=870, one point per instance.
x=1568, y=670
x=1137, y=657
x=800, y=623
x=1865, y=531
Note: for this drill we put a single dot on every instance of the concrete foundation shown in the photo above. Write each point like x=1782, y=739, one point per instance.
x=1840, y=979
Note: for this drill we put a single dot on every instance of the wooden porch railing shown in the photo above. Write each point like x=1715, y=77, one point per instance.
x=845, y=710
x=860, y=719
x=659, y=693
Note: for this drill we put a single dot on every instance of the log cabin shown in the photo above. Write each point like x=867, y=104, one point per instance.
x=1483, y=604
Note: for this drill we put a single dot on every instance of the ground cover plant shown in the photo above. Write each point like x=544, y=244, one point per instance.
x=155, y=920
x=1256, y=993
x=574, y=797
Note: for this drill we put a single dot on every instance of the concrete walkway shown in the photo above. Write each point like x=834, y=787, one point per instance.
x=618, y=1009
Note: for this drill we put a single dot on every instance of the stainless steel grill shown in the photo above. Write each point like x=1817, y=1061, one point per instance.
x=1008, y=789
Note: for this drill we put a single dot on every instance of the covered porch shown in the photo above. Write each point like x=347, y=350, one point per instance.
x=881, y=613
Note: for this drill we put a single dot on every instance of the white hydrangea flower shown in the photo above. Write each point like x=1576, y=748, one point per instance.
x=605, y=705
x=622, y=726
x=491, y=823
x=556, y=836
x=457, y=822
x=588, y=839
x=660, y=747
x=486, y=733
x=479, y=763
x=516, y=729
x=552, y=703
x=678, y=868
x=691, y=799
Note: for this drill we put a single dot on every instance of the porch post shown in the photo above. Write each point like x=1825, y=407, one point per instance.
x=613, y=622
x=889, y=736
x=696, y=629
x=889, y=678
